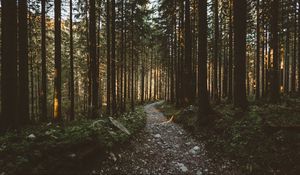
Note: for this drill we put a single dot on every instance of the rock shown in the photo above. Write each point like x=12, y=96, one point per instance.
x=199, y=172
x=182, y=167
x=48, y=133
x=112, y=155
x=72, y=155
x=31, y=136
x=157, y=136
x=195, y=150
x=188, y=143
x=119, y=125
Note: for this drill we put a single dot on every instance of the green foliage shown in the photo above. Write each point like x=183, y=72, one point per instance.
x=264, y=140
x=24, y=151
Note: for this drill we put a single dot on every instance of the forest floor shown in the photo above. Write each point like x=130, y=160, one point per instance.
x=66, y=148
x=262, y=140
x=163, y=147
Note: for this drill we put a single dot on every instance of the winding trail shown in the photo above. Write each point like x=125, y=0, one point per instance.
x=162, y=148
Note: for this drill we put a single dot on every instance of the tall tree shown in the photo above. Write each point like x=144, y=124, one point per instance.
x=188, y=81
x=94, y=60
x=125, y=56
x=257, y=82
x=239, y=22
x=108, y=62
x=274, y=91
x=230, y=60
x=216, y=52
x=9, y=90
x=132, y=57
x=299, y=47
x=44, y=64
x=204, y=106
x=293, y=71
x=23, y=63
x=72, y=114
x=57, y=76
x=113, y=56
x=123, y=74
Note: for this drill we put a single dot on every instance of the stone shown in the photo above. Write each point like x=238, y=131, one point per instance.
x=199, y=172
x=157, y=136
x=195, y=150
x=72, y=155
x=31, y=136
x=182, y=167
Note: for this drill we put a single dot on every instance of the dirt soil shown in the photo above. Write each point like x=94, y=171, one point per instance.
x=163, y=147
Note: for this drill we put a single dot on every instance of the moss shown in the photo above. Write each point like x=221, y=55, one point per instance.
x=53, y=144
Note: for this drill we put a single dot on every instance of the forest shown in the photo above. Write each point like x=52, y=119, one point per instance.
x=150, y=87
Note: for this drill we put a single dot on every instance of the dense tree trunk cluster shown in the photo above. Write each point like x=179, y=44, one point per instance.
x=105, y=57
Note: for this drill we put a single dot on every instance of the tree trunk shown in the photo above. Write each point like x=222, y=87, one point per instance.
x=132, y=58
x=204, y=106
x=230, y=61
x=274, y=46
x=57, y=76
x=113, y=61
x=240, y=17
x=44, y=63
x=122, y=57
x=298, y=47
x=94, y=61
x=257, y=82
x=23, y=63
x=72, y=115
x=108, y=82
x=188, y=83
x=293, y=76
x=287, y=61
x=9, y=91
x=216, y=52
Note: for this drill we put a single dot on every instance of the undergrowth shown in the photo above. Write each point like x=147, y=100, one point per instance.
x=263, y=140
x=38, y=149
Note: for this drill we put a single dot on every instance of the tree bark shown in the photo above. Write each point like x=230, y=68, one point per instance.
x=275, y=97
x=23, y=63
x=57, y=76
x=44, y=63
x=113, y=61
x=216, y=52
x=239, y=20
x=72, y=114
x=204, y=106
x=9, y=91
x=257, y=82
x=108, y=62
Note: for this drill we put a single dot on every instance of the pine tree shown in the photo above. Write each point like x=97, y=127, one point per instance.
x=23, y=63
x=239, y=23
x=57, y=76
x=9, y=90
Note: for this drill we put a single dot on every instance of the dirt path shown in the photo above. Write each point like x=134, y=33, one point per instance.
x=162, y=148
